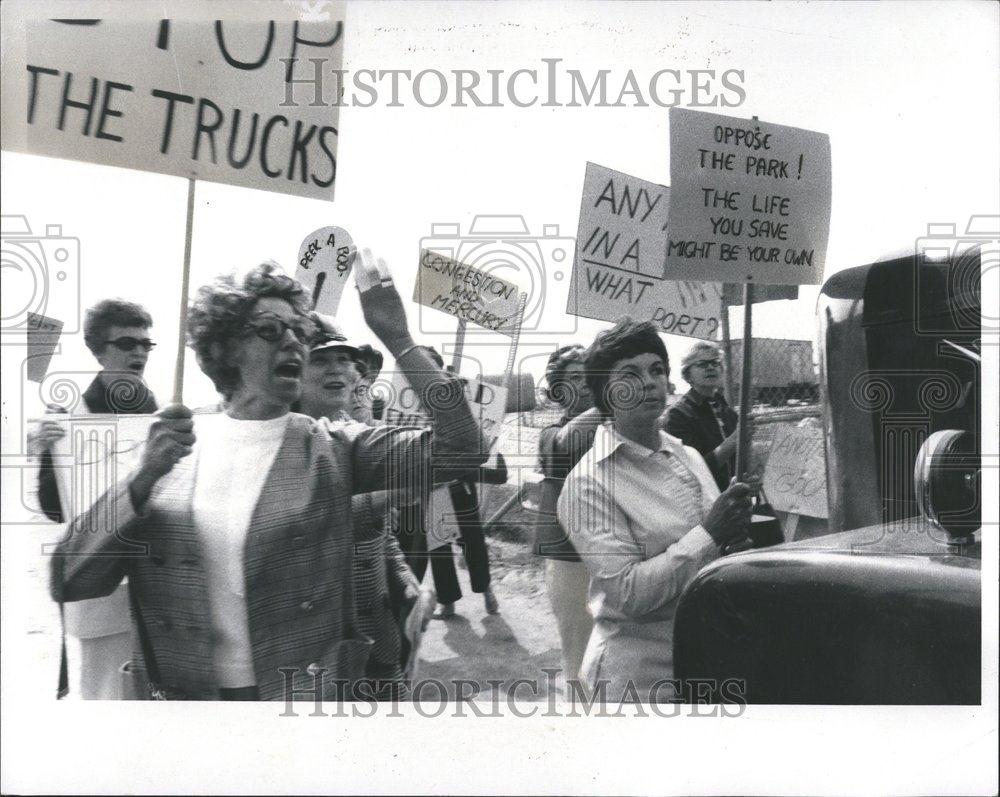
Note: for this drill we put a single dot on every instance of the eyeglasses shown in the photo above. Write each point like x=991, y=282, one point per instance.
x=708, y=363
x=272, y=329
x=128, y=344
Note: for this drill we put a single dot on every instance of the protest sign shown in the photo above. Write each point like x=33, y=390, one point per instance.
x=43, y=337
x=96, y=453
x=487, y=402
x=469, y=294
x=750, y=201
x=619, y=264
x=795, y=474
x=228, y=93
x=324, y=264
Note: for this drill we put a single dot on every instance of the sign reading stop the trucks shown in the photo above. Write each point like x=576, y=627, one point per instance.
x=217, y=94
x=795, y=474
x=619, y=267
x=467, y=293
x=750, y=201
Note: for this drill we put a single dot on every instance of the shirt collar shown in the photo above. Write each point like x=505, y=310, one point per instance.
x=607, y=441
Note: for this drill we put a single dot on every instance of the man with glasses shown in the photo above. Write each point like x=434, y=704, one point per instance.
x=702, y=419
x=117, y=334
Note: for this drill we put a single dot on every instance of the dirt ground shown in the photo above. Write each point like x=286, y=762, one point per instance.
x=516, y=643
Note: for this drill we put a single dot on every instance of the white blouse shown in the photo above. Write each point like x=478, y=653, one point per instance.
x=232, y=460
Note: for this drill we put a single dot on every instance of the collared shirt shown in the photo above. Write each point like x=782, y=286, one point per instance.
x=634, y=515
x=703, y=423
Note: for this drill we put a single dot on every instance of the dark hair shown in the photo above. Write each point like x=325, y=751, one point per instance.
x=626, y=339
x=557, y=390
x=434, y=355
x=221, y=310
x=369, y=361
x=112, y=313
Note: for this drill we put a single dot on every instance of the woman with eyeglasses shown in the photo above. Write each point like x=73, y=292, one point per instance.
x=117, y=334
x=644, y=514
x=337, y=375
x=702, y=419
x=236, y=531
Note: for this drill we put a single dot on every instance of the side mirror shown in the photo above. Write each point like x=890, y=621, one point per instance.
x=946, y=480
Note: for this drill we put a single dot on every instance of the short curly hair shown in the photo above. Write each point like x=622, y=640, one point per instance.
x=112, y=313
x=626, y=339
x=557, y=390
x=221, y=310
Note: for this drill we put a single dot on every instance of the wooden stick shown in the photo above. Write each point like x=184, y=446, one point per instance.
x=746, y=387
x=456, y=355
x=185, y=283
x=727, y=352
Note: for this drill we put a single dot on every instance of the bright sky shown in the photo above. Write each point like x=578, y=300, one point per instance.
x=907, y=92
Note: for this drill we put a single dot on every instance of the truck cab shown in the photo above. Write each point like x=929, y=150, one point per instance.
x=886, y=608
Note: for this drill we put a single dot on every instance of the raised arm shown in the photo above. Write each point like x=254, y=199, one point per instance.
x=387, y=458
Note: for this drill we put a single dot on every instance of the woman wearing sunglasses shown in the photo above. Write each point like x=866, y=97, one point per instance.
x=236, y=531
x=117, y=333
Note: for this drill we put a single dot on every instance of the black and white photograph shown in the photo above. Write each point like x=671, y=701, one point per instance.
x=530, y=397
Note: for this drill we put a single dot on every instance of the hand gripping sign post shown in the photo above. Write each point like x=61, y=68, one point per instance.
x=201, y=92
x=750, y=203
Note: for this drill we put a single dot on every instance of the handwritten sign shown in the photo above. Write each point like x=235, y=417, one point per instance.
x=324, y=265
x=43, y=337
x=795, y=474
x=750, y=201
x=221, y=94
x=467, y=293
x=619, y=265
x=487, y=402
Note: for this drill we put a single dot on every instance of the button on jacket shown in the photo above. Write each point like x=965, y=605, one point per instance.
x=297, y=558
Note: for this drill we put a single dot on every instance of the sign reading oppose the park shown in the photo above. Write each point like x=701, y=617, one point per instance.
x=467, y=293
x=795, y=474
x=749, y=202
x=619, y=267
x=229, y=100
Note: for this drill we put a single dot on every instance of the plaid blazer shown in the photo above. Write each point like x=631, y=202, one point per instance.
x=381, y=577
x=297, y=558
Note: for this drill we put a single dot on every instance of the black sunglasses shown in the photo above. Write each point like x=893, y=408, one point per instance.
x=128, y=344
x=272, y=329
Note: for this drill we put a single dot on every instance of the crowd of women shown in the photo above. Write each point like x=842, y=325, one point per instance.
x=276, y=546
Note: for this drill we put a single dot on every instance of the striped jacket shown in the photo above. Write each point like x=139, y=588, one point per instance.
x=297, y=558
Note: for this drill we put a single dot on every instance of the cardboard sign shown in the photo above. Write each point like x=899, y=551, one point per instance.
x=619, y=264
x=795, y=474
x=324, y=265
x=439, y=519
x=487, y=402
x=96, y=453
x=467, y=293
x=43, y=337
x=750, y=201
x=226, y=93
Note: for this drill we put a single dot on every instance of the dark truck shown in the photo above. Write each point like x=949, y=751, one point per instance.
x=886, y=608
